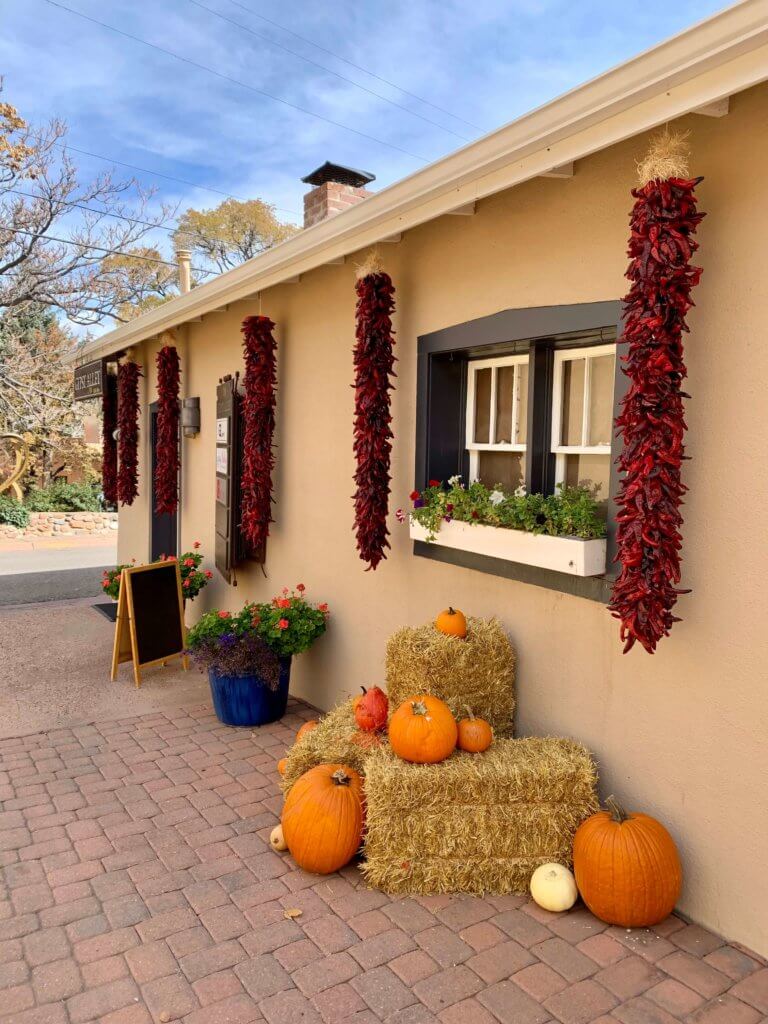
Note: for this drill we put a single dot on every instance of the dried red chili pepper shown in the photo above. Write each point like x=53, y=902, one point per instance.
x=108, y=442
x=128, y=423
x=374, y=362
x=651, y=422
x=259, y=414
x=167, y=434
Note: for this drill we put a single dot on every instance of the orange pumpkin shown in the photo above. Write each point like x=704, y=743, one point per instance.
x=371, y=709
x=281, y=765
x=627, y=867
x=307, y=727
x=323, y=818
x=452, y=622
x=475, y=735
x=423, y=730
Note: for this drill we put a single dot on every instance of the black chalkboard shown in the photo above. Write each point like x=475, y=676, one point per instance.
x=156, y=615
x=150, y=617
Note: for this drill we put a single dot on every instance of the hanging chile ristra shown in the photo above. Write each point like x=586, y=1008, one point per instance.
x=128, y=424
x=108, y=442
x=258, y=461
x=651, y=421
x=166, y=478
x=374, y=362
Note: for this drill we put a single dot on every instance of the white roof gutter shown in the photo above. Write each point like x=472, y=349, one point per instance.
x=717, y=58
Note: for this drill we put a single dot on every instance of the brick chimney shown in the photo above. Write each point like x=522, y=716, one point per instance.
x=336, y=190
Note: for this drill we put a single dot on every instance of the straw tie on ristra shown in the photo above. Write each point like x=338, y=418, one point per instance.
x=651, y=421
x=374, y=362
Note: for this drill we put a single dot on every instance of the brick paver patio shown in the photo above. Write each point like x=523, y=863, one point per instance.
x=139, y=887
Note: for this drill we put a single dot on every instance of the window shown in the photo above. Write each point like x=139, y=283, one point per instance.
x=582, y=415
x=497, y=412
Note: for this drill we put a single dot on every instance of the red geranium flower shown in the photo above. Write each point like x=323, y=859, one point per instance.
x=414, y=495
x=225, y=615
x=187, y=583
x=196, y=544
x=300, y=587
x=283, y=624
x=189, y=561
x=434, y=483
x=208, y=574
x=283, y=603
x=323, y=607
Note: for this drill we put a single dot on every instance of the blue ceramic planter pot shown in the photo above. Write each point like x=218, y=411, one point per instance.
x=248, y=700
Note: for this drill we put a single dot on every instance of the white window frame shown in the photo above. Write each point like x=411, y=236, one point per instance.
x=475, y=447
x=561, y=451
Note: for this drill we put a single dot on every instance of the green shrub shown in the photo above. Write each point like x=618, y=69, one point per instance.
x=61, y=497
x=12, y=512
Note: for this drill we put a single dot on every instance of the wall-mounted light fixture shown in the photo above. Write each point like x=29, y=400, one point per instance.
x=190, y=417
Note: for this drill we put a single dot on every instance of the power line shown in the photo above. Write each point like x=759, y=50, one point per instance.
x=233, y=81
x=330, y=71
x=159, y=174
x=357, y=67
x=101, y=248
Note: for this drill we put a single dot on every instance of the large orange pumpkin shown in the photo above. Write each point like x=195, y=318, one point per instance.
x=475, y=735
x=307, y=727
x=323, y=818
x=627, y=868
x=452, y=622
x=423, y=730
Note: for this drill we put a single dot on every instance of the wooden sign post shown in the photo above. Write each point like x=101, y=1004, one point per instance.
x=150, y=626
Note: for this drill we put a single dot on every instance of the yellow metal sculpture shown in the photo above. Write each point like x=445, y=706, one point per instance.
x=18, y=449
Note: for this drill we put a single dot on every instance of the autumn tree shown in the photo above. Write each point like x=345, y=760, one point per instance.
x=56, y=234
x=231, y=233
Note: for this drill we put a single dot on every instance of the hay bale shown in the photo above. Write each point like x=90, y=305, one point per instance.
x=476, y=674
x=476, y=823
x=330, y=742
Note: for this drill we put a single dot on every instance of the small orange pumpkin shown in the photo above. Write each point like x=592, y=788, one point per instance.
x=307, y=727
x=475, y=735
x=281, y=765
x=322, y=818
x=423, y=730
x=452, y=622
x=371, y=709
x=627, y=867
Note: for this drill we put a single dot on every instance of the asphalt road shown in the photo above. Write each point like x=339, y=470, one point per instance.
x=53, y=585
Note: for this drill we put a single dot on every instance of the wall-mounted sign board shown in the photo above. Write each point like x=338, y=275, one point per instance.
x=90, y=380
x=150, y=626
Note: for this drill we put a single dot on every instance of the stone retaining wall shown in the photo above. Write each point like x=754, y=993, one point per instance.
x=64, y=524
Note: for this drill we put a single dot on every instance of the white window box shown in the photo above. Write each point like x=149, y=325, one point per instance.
x=562, y=554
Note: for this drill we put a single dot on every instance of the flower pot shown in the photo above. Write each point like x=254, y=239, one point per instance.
x=248, y=700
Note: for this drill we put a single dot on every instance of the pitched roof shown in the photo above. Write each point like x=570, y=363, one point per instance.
x=692, y=71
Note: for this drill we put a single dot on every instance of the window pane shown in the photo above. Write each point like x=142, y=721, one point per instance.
x=573, y=401
x=505, y=468
x=522, y=405
x=591, y=471
x=505, y=390
x=601, y=399
x=482, y=406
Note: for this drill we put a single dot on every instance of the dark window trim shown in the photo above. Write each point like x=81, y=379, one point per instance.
x=538, y=327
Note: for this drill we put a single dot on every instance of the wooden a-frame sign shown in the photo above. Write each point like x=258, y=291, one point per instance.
x=150, y=626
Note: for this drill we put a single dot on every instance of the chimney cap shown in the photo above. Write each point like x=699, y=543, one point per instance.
x=337, y=173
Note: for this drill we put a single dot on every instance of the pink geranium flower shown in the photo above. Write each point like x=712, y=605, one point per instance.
x=225, y=615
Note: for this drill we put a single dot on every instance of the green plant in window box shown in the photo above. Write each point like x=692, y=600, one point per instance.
x=570, y=512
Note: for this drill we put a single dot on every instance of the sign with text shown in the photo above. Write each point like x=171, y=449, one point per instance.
x=90, y=380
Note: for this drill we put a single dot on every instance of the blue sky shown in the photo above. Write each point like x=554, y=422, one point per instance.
x=484, y=62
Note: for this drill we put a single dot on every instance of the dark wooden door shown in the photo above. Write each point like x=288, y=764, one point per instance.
x=164, y=533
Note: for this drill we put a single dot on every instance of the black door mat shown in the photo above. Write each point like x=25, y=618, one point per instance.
x=108, y=609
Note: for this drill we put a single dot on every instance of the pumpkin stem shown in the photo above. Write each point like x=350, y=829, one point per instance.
x=451, y=611
x=340, y=777
x=419, y=707
x=616, y=810
x=363, y=689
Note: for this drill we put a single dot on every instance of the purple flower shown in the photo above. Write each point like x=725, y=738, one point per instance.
x=448, y=519
x=419, y=503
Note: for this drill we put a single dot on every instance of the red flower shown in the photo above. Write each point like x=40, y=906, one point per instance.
x=225, y=615
x=285, y=590
x=323, y=607
x=434, y=483
x=283, y=602
x=161, y=558
x=187, y=583
x=189, y=562
x=475, y=514
x=171, y=558
x=196, y=544
x=208, y=574
x=414, y=495
x=283, y=624
x=300, y=587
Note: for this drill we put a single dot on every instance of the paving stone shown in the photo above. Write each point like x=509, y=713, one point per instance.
x=565, y=959
x=754, y=990
x=580, y=1003
x=56, y=981
x=447, y=987
x=171, y=995
x=322, y=974
x=383, y=991
x=500, y=961
x=510, y=1005
x=262, y=977
x=726, y=1009
x=150, y=960
x=521, y=927
x=539, y=981
x=468, y=1011
x=212, y=959
x=444, y=946
x=338, y=1003
x=674, y=997
x=696, y=940
x=382, y=948
x=289, y=1007
x=629, y=977
x=414, y=966
x=695, y=974
x=235, y=1009
x=733, y=962
x=44, y=946
x=641, y=1011
x=99, y=1001
x=603, y=949
x=329, y=933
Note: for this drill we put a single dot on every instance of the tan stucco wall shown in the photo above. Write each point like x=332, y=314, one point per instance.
x=682, y=735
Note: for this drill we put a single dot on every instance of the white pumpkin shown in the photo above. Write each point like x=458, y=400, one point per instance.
x=277, y=839
x=553, y=887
